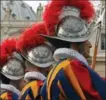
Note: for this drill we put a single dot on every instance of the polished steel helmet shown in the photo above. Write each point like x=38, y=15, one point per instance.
x=72, y=27
x=41, y=56
x=68, y=20
x=14, y=68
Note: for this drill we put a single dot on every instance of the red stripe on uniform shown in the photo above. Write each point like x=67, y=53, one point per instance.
x=85, y=81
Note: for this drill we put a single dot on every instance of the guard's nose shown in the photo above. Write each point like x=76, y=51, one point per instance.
x=90, y=45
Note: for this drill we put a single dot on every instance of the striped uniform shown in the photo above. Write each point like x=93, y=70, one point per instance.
x=72, y=80
x=31, y=90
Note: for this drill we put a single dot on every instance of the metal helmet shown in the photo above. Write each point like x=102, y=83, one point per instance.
x=12, y=62
x=68, y=20
x=34, y=47
x=41, y=56
x=14, y=68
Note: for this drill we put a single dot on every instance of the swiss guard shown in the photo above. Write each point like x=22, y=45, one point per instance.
x=12, y=70
x=39, y=59
x=67, y=23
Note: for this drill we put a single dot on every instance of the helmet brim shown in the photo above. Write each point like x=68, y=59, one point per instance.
x=40, y=65
x=13, y=77
x=56, y=38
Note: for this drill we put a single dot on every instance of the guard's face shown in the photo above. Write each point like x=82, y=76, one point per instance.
x=31, y=68
x=87, y=46
x=83, y=48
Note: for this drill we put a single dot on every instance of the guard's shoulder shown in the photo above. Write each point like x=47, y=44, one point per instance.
x=31, y=90
x=7, y=95
x=4, y=95
x=32, y=85
x=60, y=79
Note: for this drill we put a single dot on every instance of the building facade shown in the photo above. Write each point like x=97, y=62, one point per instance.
x=16, y=16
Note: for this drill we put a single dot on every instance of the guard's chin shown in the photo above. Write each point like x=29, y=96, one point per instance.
x=87, y=56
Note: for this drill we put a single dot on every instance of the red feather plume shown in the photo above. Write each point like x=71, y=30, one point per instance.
x=31, y=38
x=53, y=10
x=39, y=28
x=6, y=49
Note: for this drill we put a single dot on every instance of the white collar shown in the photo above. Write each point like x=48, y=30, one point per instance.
x=10, y=88
x=34, y=75
x=63, y=53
